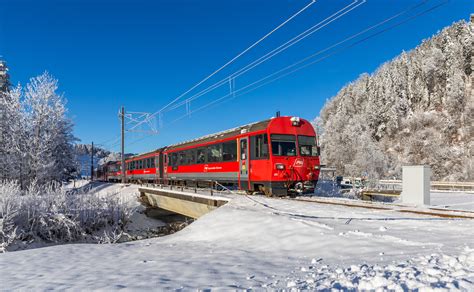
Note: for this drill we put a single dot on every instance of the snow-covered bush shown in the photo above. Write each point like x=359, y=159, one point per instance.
x=51, y=214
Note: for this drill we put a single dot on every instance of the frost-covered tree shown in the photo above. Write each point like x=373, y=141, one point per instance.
x=415, y=109
x=39, y=138
x=12, y=166
x=4, y=77
x=8, y=107
x=49, y=147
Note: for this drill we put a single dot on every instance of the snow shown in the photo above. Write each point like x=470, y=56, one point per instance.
x=127, y=192
x=257, y=242
x=453, y=200
x=434, y=271
x=139, y=224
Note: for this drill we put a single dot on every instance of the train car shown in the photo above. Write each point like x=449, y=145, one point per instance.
x=147, y=167
x=276, y=156
x=110, y=172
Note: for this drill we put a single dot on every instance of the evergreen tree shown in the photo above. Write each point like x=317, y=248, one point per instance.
x=415, y=109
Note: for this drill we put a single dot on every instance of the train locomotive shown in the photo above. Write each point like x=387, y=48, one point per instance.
x=278, y=157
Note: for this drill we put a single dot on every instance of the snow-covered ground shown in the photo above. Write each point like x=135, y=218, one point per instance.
x=257, y=242
x=140, y=226
x=453, y=200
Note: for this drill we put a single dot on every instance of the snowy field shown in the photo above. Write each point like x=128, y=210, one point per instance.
x=257, y=242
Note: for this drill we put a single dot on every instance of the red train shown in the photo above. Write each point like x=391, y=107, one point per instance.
x=275, y=156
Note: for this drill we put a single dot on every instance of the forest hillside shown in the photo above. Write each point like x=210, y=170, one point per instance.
x=415, y=109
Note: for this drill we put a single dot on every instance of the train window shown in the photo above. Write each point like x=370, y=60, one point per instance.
x=148, y=163
x=174, y=159
x=243, y=149
x=259, y=145
x=283, y=145
x=201, y=155
x=140, y=164
x=229, y=151
x=153, y=162
x=181, y=158
x=307, y=145
x=214, y=153
x=190, y=156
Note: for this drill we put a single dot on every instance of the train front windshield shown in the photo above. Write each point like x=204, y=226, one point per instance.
x=283, y=145
x=307, y=145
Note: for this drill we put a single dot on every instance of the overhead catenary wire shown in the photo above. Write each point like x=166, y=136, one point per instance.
x=110, y=143
x=302, y=61
x=308, y=32
x=243, y=52
x=334, y=45
x=236, y=57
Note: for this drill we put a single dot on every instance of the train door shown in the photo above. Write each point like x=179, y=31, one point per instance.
x=159, y=165
x=244, y=181
x=164, y=162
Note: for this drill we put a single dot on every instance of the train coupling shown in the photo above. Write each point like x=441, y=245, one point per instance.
x=304, y=187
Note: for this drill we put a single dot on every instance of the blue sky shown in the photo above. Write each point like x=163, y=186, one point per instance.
x=143, y=54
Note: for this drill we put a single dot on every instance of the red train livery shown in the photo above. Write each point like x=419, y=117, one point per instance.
x=275, y=156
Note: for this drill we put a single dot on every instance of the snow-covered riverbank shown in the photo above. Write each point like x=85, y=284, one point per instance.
x=257, y=242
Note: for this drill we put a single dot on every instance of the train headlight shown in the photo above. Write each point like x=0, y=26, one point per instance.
x=316, y=167
x=295, y=121
x=280, y=166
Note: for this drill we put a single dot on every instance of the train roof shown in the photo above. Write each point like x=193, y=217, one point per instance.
x=251, y=127
x=256, y=126
x=210, y=137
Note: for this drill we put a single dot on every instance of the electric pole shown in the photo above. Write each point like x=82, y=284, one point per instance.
x=123, y=144
x=92, y=162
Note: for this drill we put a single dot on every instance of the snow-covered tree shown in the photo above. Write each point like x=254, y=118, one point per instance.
x=12, y=135
x=3, y=115
x=38, y=137
x=49, y=147
x=4, y=77
x=414, y=109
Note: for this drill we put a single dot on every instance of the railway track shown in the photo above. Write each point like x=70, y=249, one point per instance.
x=429, y=211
